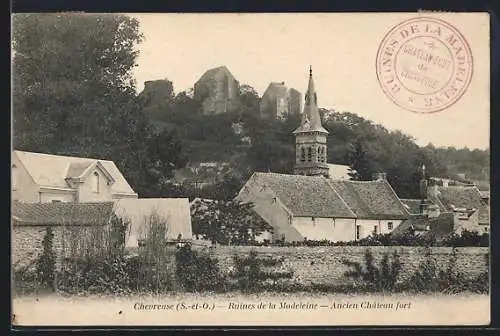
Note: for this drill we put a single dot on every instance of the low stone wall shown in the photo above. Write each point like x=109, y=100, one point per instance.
x=323, y=265
x=26, y=243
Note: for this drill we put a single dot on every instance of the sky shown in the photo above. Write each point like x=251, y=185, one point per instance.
x=340, y=47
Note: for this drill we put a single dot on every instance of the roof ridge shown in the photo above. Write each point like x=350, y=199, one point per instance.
x=341, y=198
x=63, y=156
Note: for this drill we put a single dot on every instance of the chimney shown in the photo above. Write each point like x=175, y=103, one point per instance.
x=379, y=176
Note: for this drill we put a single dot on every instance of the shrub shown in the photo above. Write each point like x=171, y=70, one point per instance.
x=252, y=273
x=94, y=275
x=425, y=278
x=467, y=238
x=429, y=278
x=93, y=259
x=378, y=278
x=153, y=269
x=197, y=271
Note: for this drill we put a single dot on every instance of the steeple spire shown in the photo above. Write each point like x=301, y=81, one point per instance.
x=311, y=110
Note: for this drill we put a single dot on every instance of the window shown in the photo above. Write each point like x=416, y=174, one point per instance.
x=302, y=154
x=14, y=176
x=486, y=229
x=95, y=182
x=358, y=232
x=390, y=226
x=309, y=154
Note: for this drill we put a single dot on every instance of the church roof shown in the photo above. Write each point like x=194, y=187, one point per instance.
x=371, y=199
x=305, y=196
x=311, y=120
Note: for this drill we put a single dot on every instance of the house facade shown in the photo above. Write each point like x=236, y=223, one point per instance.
x=278, y=101
x=41, y=178
x=217, y=90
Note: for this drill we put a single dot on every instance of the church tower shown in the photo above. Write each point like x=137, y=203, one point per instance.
x=310, y=137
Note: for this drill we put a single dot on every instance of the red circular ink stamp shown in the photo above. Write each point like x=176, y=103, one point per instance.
x=424, y=65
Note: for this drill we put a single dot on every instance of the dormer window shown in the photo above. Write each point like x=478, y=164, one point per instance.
x=14, y=176
x=96, y=182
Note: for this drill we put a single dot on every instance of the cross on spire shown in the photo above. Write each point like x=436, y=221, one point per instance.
x=310, y=71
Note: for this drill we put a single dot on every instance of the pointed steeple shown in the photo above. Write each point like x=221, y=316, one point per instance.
x=311, y=120
x=311, y=138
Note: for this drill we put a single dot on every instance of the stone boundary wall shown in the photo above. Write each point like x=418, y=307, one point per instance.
x=323, y=265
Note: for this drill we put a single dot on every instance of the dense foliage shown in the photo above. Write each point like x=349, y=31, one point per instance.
x=226, y=222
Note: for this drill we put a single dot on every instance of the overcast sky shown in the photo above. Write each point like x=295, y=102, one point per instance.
x=260, y=48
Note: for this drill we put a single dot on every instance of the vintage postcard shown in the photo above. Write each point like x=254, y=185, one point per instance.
x=250, y=169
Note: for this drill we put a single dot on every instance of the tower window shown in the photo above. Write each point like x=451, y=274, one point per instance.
x=309, y=154
x=302, y=154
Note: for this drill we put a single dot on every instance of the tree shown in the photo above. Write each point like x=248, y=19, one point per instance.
x=249, y=99
x=47, y=261
x=361, y=162
x=226, y=222
x=72, y=83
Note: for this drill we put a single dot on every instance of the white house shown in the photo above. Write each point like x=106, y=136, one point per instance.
x=40, y=178
x=302, y=207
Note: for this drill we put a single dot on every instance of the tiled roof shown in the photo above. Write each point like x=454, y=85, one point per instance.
x=80, y=214
x=413, y=205
x=52, y=170
x=305, y=196
x=439, y=226
x=175, y=211
x=371, y=199
x=460, y=197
